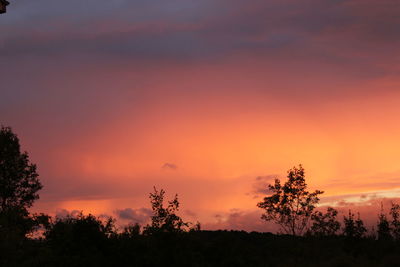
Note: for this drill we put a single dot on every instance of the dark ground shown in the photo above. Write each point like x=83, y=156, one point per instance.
x=202, y=248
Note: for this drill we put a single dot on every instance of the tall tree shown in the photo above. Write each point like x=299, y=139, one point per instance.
x=290, y=205
x=19, y=183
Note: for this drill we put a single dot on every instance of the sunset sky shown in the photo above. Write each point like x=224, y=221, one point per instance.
x=210, y=99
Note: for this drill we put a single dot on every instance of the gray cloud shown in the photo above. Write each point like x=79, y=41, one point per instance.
x=140, y=216
x=260, y=185
x=63, y=213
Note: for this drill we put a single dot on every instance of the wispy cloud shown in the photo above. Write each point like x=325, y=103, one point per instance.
x=169, y=166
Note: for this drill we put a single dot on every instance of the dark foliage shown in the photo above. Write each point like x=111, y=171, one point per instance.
x=19, y=186
x=383, y=226
x=325, y=224
x=353, y=228
x=395, y=223
x=86, y=238
x=131, y=231
x=202, y=248
x=19, y=183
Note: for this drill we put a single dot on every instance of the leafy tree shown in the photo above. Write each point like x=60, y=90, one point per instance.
x=19, y=181
x=383, y=226
x=353, y=228
x=325, y=224
x=290, y=205
x=19, y=184
x=395, y=214
x=164, y=218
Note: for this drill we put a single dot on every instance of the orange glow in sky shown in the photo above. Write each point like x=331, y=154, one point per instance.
x=205, y=99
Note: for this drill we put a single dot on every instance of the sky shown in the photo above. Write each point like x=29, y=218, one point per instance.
x=210, y=99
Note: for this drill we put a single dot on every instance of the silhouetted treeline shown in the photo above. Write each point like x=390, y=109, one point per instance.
x=309, y=237
x=86, y=240
x=88, y=246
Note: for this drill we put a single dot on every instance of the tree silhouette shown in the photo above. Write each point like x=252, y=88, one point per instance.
x=3, y=6
x=325, y=224
x=164, y=218
x=19, y=184
x=291, y=205
x=383, y=226
x=353, y=228
x=19, y=181
x=131, y=231
x=395, y=214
